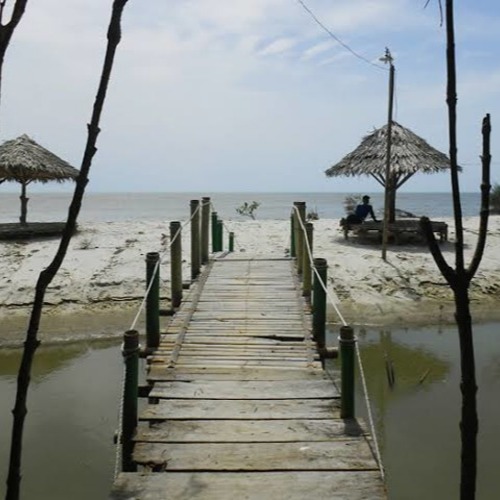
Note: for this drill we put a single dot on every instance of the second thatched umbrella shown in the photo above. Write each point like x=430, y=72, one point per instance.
x=23, y=160
x=409, y=154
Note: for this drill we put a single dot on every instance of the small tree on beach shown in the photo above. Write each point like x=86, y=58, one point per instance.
x=351, y=202
x=459, y=278
x=47, y=275
x=248, y=209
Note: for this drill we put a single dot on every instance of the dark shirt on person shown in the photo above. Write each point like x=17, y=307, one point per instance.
x=362, y=211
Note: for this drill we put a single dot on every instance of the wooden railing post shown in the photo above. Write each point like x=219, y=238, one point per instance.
x=214, y=232
x=130, y=394
x=300, y=215
x=220, y=235
x=231, y=241
x=292, y=234
x=153, y=300
x=176, y=263
x=195, y=239
x=205, y=228
x=306, y=261
x=319, y=302
x=347, y=347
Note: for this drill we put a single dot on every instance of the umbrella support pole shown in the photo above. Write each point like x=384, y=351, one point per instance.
x=24, y=204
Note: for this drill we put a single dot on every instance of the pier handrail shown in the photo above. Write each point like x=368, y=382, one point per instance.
x=160, y=261
x=358, y=354
x=119, y=433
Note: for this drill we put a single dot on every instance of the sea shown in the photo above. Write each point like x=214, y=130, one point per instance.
x=121, y=207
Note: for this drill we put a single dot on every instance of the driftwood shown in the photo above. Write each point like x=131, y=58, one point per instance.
x=460, y=277
x=46, y=276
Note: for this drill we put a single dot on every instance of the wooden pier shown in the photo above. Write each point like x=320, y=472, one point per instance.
x=240, y=406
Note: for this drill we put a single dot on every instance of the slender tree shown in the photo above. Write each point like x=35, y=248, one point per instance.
x=7, y=29
x=459, y=278
x=46, y=276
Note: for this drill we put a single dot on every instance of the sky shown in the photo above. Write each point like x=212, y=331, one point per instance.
x=247, y=95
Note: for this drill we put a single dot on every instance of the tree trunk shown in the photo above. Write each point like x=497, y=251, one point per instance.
x=46, y=276
x=468, y=388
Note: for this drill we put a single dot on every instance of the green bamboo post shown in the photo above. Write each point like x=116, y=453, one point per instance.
x=205, y=229
x=319, y=302
x=220, y=235
x=176, y=264
x=214, y=232
x=130, y=394
x=195, y=239
x=299, y=234
x=231, y=241
x=306, y=261
x=153, y=300
x=347, y=346
x=292, y=234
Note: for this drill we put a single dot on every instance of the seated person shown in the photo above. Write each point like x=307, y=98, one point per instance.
x=361, y=212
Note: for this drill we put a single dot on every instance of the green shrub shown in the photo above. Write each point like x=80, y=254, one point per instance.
x=248, y=209
x=312, y=215
x=351, y=202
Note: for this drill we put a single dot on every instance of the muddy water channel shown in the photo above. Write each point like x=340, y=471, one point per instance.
x=73, y=407
x=417, y=420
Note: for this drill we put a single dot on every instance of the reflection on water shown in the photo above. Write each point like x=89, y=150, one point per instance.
x=72, y=414
x=73, y=404
x=418, y=419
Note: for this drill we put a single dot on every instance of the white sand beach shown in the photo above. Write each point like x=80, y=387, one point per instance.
x=102, y=280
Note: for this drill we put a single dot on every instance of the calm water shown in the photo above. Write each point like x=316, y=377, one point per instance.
x=175, y=206
x=74, y=399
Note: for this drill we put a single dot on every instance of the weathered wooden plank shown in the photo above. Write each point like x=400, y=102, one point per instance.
x=312, y=455
x=239, y=354
x=246, y=431
x=162, y=372
x=266, y=333
x=255, y=342
x=338, y=485
x=246, y=316
x=247, y=409
x=241, y=363
x=277, y=389
x=246, y=353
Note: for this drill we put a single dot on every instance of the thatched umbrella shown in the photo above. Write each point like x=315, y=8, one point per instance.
x=23, y=160
x=409, y=154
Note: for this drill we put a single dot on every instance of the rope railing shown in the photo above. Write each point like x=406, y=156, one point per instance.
x=358, y=354
x=161, y=260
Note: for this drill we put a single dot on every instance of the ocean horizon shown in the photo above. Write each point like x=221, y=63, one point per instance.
x=168, y=206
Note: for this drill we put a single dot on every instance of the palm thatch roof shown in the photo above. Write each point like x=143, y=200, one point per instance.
x=409, y=154
x=23, y=160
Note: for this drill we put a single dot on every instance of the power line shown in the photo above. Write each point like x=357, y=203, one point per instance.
x=337, y=39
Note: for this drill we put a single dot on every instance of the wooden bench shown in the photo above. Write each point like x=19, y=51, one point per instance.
x=397, y=229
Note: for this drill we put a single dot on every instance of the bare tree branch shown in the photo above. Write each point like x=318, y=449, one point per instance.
x=440, y=11
x=448, y=272
x=485, y=199
x=47, y=275
x=7, y=30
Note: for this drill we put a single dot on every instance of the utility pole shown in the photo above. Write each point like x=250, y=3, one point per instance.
x=388, y=181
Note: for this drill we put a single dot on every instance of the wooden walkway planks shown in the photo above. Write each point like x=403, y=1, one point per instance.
x=240, y=405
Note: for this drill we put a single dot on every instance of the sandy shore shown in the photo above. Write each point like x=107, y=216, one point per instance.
x=102, y=279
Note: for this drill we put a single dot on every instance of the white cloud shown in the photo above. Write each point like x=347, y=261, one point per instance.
x=278, y=47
